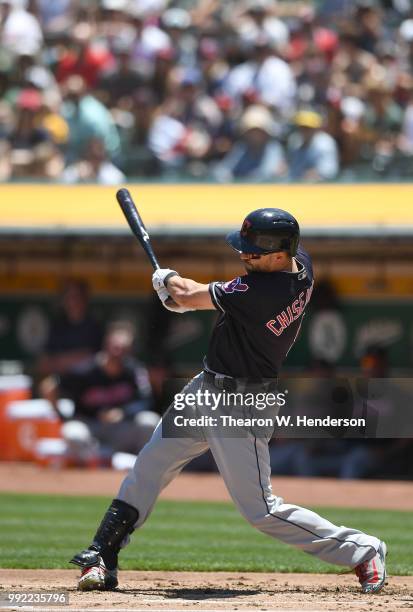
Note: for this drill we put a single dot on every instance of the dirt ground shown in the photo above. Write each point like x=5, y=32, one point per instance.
x=221, y=591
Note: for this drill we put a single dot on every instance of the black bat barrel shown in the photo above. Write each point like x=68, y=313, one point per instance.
x=136, y=224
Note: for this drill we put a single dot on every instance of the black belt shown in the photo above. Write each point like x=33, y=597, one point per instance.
x=240, y=385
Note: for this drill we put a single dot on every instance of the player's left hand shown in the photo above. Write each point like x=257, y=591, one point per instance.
x=159, y=276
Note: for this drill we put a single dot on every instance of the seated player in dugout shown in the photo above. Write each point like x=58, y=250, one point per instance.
x=260, y=315
x=111, y=394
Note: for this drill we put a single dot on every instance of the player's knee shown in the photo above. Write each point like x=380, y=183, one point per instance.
x=257, y=520
x=259, y=514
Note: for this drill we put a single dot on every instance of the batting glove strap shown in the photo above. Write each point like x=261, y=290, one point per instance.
x=170, y=275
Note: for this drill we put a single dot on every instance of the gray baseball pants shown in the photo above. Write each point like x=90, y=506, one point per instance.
x=245, y=467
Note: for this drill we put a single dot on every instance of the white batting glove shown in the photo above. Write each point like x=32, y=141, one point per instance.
x=159, y=276
x=163, y=294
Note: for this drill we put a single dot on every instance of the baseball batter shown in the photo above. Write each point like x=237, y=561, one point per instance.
x=260, y=315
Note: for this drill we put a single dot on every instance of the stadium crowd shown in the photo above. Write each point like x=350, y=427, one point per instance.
x=260, y=90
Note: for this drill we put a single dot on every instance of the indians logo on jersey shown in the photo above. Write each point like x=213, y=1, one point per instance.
x=235, y=285
x=291, y=313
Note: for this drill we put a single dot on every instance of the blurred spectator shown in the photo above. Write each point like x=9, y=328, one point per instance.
x=406, y=136
x=5, y=161
x=159, y=82
x=346, y=125
x=174, y=142
x=257, y=157
x=368, y=21
x=176, y=23
x=33, y=152
x=227, y=131
x=95, y=167
x=55, y=17
x=20, y=31
x=149, y=39
x=382, y=121
x=111, y=394
x=312, y=153
x=197, y=107
x=310, y=53
x=137, y=158
x=74, y=335
x=82, y=58
x=213, y=65
x=168, y=137
x=260, y=17
x=87, y=118
x=122, y=80
x=266, y=76
x=51, y=119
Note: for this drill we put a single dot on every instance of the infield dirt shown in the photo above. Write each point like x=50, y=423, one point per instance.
x=218, y=591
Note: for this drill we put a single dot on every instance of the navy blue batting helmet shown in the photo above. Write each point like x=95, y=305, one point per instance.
x=266, y=230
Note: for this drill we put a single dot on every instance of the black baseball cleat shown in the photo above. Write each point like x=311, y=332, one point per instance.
x=372, y=573
x=99, y=562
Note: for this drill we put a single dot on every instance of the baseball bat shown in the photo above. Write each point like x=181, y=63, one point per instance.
x=138, y=228
x=136, y=224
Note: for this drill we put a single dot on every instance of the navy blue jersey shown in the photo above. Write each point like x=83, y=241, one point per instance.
x=261, y=315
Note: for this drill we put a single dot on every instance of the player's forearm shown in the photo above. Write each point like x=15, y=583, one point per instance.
x=188, y=293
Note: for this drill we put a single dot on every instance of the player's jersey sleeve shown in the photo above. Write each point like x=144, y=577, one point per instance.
x=235, y=296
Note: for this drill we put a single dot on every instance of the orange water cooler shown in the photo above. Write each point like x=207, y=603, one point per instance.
x=23, y=422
